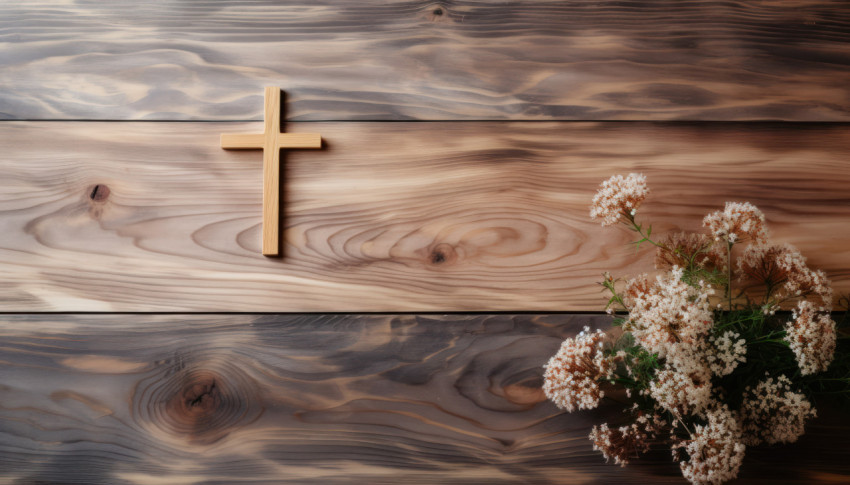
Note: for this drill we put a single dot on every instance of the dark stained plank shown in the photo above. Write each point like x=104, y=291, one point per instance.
x=398, y=60
x=484, y=216
x=189, y=399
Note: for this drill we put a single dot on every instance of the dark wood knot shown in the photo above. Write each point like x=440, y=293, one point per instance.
x=442, y=254
x=438, y=12
x=197, y=401
x=99, y=193
x=200, y=403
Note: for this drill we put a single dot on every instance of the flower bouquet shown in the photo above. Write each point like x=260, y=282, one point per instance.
x=707, y=358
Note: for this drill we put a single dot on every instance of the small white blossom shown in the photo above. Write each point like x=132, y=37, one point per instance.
x=715, y=451
x=679, y=393
x=621, y=444
x=728, y=351
x=738, y=221
x=572, y=376
x=772, y=413
x=672, y=319
x=812, y=338
x=617, y=196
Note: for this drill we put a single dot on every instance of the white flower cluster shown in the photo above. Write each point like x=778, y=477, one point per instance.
x=620, y=444
x=674, y=354
x=679, y=393
x=772, y=413
x=800, y=281
x=737, y=222
x=811, y=336
x=617, y=444
x=617, y=196
x=715, y=450
x=572, y=376
x=670, y=316
x=674, y=320
x=728, y=351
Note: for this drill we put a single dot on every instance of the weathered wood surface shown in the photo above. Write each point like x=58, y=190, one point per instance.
x=132, y=399
x=478, y=216
x=584, y=60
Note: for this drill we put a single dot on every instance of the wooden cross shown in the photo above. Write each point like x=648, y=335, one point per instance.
x=271, y=141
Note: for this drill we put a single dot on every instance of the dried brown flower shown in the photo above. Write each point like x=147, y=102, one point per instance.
x=783, y=271
x=689, y=249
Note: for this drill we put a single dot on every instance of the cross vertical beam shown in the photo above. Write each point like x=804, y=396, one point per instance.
x=271, y=141
x=271, y=173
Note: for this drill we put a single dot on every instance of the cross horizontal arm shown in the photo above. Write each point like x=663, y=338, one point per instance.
x=283, y=140
x=237, y=142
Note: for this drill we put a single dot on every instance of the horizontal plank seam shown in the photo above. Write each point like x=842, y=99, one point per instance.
x=453, y=312
x=655, y=122
x=839, y=314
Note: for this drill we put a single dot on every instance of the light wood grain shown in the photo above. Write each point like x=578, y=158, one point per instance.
x=141, y=399
x=390, y=216
x=399, y=60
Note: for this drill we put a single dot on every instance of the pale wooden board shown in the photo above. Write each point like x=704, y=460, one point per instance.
x=141, y=399
x=557, y=59
x=484, y=216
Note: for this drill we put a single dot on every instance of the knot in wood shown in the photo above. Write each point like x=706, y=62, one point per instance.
x=99, y=193
x=442, y=254
x=200, y=404
x=437, y=13
x=197, y=400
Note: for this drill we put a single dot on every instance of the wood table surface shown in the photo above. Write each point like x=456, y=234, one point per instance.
x=435, y=60
x=436, y=249
x=138, y=399
x=426, y=216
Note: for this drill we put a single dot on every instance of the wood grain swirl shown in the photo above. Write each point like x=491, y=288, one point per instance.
x=433, y=60
x=389, y=216
x=190, y=399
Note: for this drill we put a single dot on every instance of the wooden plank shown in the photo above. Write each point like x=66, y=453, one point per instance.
x=484, y=216
x=399, y=60
x=139, y=399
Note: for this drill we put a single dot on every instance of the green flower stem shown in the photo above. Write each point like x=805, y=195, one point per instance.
x=679, y=419
x=729, y=245
x=734, y=322
x=766, y=341
x=623, y=380
x=638, y=228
